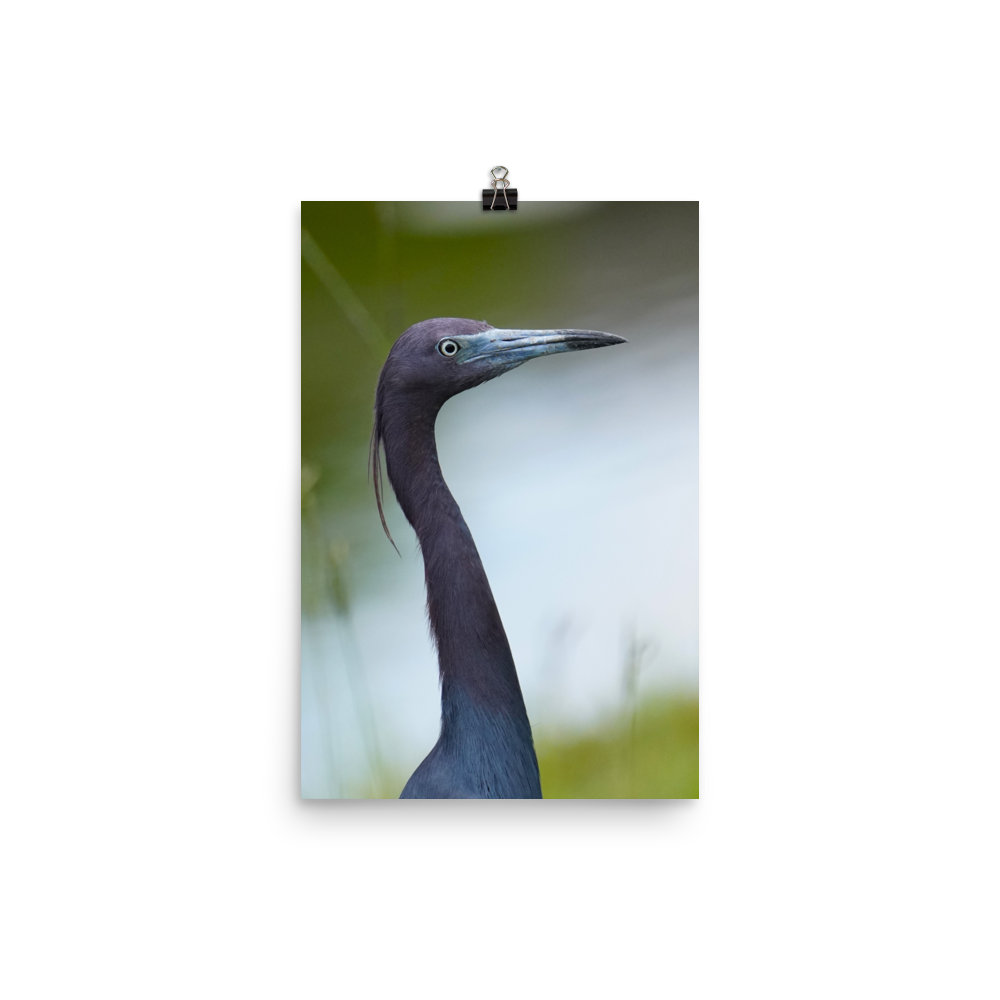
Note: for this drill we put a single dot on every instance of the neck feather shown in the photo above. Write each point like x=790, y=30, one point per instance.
x=473, y=651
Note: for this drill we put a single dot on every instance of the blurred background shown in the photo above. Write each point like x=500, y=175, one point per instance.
x=600, y=604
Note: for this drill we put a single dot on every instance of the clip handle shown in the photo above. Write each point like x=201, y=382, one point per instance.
x=502, y=178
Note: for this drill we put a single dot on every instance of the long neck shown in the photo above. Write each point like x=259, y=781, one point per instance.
x=473, y=651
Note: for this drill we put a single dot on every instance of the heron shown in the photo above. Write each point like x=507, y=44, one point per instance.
x=485, y=748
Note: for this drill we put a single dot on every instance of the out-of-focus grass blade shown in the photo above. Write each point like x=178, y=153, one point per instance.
x=342, y=293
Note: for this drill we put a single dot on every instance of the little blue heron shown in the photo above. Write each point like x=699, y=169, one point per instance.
x=485, y=749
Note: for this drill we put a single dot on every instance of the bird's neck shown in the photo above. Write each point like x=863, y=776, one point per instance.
x=473, y=651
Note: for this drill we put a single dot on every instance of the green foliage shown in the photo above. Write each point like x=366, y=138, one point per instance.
x=649, y=754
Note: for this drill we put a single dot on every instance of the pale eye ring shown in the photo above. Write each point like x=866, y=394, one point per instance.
x=448, y=348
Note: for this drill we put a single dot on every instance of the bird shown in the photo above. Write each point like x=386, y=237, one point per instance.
x=485, y=748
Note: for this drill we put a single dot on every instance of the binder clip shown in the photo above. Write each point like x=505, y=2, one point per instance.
x=492, y=204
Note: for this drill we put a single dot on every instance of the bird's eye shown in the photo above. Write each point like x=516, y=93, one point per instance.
x=448, y=348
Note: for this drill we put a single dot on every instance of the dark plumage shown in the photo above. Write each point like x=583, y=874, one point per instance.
x=485, y=749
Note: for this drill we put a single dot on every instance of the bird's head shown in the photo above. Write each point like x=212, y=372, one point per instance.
x=439, y=358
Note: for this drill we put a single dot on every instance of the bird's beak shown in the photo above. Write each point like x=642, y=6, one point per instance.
x=510, y=348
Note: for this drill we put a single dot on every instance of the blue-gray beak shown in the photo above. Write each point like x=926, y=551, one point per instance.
x=510, y=348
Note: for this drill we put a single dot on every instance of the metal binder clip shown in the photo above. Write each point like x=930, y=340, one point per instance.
x=506, y=184
x=499, y=175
